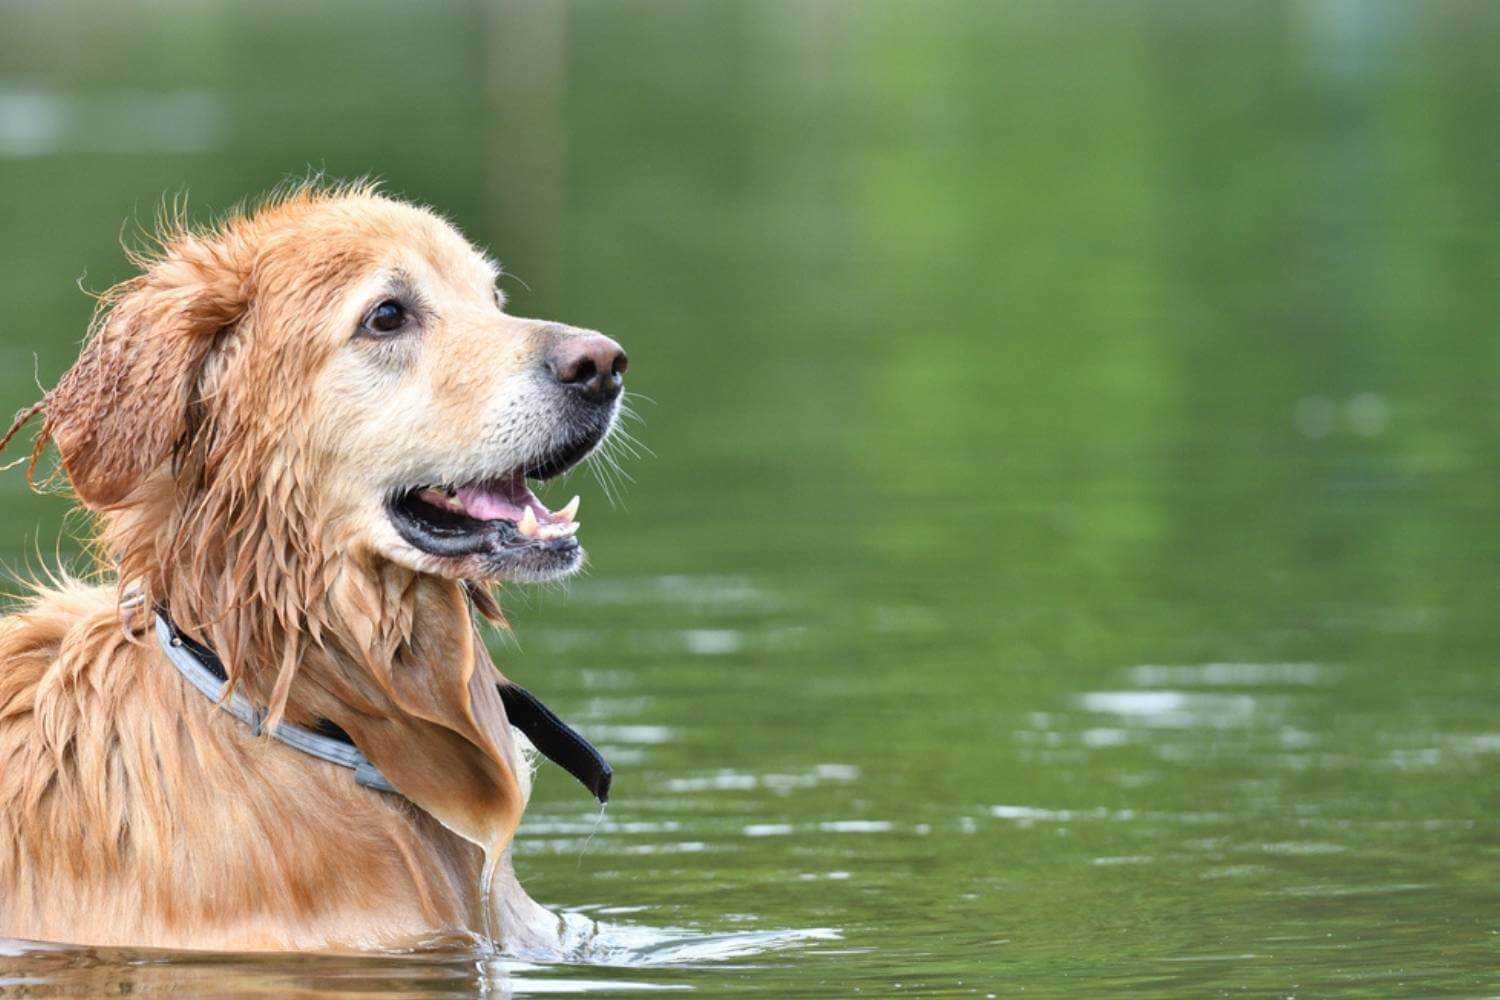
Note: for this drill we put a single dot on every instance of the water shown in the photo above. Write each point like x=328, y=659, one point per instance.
x=1067, y=560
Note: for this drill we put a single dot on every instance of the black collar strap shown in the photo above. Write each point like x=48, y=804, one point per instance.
x=559, y=742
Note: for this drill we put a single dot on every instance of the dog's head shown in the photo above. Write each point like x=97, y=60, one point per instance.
x=300, y=430
x=348, y=356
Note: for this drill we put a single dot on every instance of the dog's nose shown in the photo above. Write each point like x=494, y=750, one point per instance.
x=590, y=363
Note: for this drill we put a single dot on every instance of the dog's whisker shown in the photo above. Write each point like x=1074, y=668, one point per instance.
x=601, y=474
x=633, y=445
x=608, y=461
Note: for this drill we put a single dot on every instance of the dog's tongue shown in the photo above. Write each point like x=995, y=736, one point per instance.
x=504, y=500
x=511, y=500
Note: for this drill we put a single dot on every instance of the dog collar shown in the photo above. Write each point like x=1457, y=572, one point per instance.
x=555, y=739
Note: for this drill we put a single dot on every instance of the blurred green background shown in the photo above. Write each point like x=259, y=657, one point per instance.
x=1067, y=559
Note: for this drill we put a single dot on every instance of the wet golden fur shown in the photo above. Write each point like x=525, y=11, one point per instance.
x=233, y=445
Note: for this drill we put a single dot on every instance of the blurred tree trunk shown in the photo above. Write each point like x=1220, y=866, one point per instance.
x=526, y=157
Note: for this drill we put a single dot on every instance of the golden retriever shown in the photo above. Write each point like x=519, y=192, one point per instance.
x=304, y=434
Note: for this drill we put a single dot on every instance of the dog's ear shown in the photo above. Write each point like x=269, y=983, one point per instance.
x=123, y=408
x=425, y=709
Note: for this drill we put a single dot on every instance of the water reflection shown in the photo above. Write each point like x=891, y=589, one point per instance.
x=625, y=951
x=1234, y=675
x=1178, y=709
x=1069, y=560
x=39, y=124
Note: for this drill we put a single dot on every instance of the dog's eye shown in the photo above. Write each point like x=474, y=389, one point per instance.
x=387, y=318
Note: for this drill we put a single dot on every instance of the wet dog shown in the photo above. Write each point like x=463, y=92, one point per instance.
x=305, y=437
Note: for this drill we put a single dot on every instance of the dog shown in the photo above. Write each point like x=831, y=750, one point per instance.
x=304, y=436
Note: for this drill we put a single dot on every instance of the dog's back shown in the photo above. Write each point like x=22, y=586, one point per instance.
x=134, y=812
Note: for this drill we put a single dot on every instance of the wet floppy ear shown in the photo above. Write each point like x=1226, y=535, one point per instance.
x=123, y=408
x=441, y=735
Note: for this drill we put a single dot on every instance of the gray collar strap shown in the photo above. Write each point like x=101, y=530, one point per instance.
x=197, y=665
x=557, y=741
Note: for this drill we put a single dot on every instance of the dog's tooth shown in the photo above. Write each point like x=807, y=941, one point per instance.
x=569, y=512
x=440, y=499
x=528, y=524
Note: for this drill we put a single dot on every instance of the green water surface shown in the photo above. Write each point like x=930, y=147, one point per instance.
x=1066, y=559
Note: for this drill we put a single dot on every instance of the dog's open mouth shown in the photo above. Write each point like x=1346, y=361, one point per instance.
x=496, y=517
x=499, y=520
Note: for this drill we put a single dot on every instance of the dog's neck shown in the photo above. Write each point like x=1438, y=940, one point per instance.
x=389, y=655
